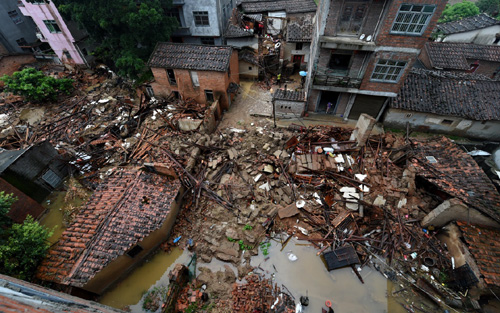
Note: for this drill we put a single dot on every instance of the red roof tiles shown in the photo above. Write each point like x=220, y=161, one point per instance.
x=457, y=174
x=483, y=242
x=125, y=208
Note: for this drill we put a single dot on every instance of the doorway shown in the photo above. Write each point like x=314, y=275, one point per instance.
x=325, y=98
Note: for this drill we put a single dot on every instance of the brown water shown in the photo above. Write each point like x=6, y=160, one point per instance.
x=153, y=272
x=53, y=218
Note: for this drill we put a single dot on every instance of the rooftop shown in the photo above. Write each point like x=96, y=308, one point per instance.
x=8, y=157
x=290, y=95
x=457, y=174
x=300, y=30
x=290, y=6
x=191, y=57
x=451, y=55
x=248, y=56
x=483, y=243
x=470, y=96
x=114, y=219
x=235, y=31
x=480, y=21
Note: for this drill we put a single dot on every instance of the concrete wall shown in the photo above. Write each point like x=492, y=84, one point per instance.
x=248, y=70
x=485, y=36
x=59, y=42
x=290, y=51
x=428, y=122
x=289, y=109
x=252, y=42
x=218, y=82
x=122, y=265
x=10, y=32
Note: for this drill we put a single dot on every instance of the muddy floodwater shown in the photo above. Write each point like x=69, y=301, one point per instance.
x=305, y=275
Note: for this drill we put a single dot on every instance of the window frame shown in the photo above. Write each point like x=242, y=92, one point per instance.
x=411, y=15
x=171, y=78
x=199, y=19
x=386, y=73
x=52, y=30
x=211, y=39
x=208, y=93
x=195, y=79
x=15, y=17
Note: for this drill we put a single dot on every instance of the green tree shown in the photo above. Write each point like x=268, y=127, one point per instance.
x=6, y=201
x=36, y=86
x=458, y=11
x=25, y=248
x=491, y=7
x=126, y=31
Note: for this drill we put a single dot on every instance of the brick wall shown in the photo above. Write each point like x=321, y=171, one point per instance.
x=24, y=204
x=366, y=84
x=218, y=82
x=384, y=38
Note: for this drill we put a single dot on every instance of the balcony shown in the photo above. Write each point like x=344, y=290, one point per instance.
x=325, y=78
x=347, y=43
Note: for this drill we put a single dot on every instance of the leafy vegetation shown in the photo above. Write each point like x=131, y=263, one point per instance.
x=22, y=246
x=247, y=227
x=459, y=11
x=490, y=7
x=264, y=246
x=125, y=31
x=34, y=85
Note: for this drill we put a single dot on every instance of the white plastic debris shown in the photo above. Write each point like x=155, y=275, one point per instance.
x=265, y=186
x=339, y=158
x=257, y=177
x=292, y=257
x=298, y=308
x=364, y=188
x=302, y=230
x=424, y=268
x=360, y=177
x=300, y=204
x=478, y=153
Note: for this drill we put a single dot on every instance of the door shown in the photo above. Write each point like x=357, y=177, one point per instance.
x=352, y=17
x=370, y=105
x=297, y=61
x=328, y=97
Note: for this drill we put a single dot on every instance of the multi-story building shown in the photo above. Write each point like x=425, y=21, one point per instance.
x=66, y=40
x=362, y=51
x=17, y=32
x=201, y=21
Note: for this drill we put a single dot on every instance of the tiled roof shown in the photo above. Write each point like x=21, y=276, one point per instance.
x=290, y=6
x=454, y=55
x=8, y=157
x=289, y=95
x=191, y=57
x=464, y=95
x=115, y=218
x=457, y=174
x=484, y=244
x=467, y=24
x=249, y=57
x=300, y=30
x=235, y=31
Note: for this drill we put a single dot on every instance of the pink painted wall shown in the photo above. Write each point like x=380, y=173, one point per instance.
x=59, y=42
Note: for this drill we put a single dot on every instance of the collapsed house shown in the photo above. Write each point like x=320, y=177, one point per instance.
x=479, y=29
x=127, y=217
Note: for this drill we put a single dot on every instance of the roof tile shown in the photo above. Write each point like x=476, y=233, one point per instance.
x=453, y=55
x=480, y=21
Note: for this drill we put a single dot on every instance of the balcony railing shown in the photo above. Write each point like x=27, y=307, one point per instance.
x=329, y=79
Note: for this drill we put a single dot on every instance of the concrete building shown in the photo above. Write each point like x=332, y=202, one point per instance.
x=480, y=29
x=65, y=39
x=200, y=72
x=201, y=21
x=289, y=103
x=465, y=105
x=17, y=32
x=362, y=51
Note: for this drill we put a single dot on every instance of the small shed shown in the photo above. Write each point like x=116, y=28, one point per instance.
x=289, y=103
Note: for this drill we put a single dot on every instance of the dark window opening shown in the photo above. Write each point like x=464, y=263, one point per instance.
x=171, y=77
x=201, y=18
x=176, y=94
x=15, y=17
x=174, y=12
x=249, y=68
x=52, y=26
x=497, y=38
x=22, y=43
x=339, y=63
x=352, y=18
x=209, y=95
x=299, y=45
x=134, y=251
x=177, y=39
x=208, y=41
x=85, y=52
x=447, y=122
x=67, y=55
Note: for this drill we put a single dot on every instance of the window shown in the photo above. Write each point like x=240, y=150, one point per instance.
x=52, y=26
x=412, y=19
x=194, y=79
x=67, y=55
x=174, y=12
x=208, y=41
x=249, y=68
x=388, y=71
x=352, y=17
x=134, y=251
x=298, y=46
x=447, y=122
x=171, y=77
x=15, y=17
x=176, y=94
x=51, y=178
x=201, y=18
x=209, y=95
x=21, y=42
